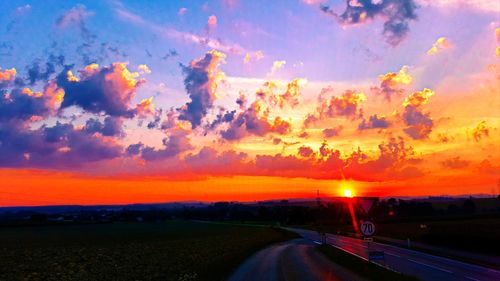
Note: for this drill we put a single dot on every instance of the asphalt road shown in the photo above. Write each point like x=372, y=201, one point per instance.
x=289, y=261
x=421, y=265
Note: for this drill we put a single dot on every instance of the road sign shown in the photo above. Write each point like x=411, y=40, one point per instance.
x=367, y=228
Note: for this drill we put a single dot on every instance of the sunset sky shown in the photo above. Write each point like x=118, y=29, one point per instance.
x=111, y=102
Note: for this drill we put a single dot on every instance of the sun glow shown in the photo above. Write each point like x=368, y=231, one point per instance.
x=348, y=193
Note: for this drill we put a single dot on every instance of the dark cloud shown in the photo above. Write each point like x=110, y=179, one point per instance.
x=61, y=145
x=332, y=132
x=134, y=149
x=396, y=15
x=242, y=101
x=374, y=122
x=419, y=124
x=24, y=104
x=306, y=151
x=255, y=121
x=222, y=117
x=171, y=53
x=111, y=127
x=107, y=89
x=201, y=84
x=38, y=73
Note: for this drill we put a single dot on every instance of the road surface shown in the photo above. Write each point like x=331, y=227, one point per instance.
x=289, y=261
x=421, y=265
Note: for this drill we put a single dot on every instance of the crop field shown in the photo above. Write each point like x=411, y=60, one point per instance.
x=172, y=250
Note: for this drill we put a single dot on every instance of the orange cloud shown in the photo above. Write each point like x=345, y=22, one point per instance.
x=440, y=44
x=390, y=82
x=346, y=105
x=7, y=74
x=212, y=21
x=256, y=56
x=145, y=107
x=418, y=98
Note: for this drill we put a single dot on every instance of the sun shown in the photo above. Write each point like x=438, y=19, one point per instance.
x=348, y=193
x=346, y=189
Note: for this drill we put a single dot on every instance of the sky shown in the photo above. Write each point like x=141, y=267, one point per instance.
x=115, y=102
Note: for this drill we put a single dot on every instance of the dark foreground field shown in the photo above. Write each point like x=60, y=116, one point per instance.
x=173, y=250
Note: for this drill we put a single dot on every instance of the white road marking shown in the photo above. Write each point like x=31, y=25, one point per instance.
x=470, y=278
x=431, y=266
x=317, y=242
x=394, y=255
x=363, y=258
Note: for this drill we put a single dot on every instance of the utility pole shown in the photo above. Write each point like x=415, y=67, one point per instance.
x=318, y=201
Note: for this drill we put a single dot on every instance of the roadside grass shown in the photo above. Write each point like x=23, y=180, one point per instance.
x=362, y=267
x=172, y=250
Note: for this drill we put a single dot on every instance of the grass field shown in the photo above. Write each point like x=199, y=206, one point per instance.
x=172, y=250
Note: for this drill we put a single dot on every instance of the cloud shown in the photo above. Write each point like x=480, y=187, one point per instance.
x=216, y=44
x=111, y=127
x=24, y=104
x=76, y=16
x=346, y=105
x=201, y=79
x=209, y=161
x=418, y=98
x=292, y=93
x=455, y=163
x=37, y=73
x=61, y=145
x=255, y=121
x=374, y=122
x=396, y=15
x=255, y=56
x=145, y=107
x=305, y=151
x=440, y=44
x=419, y=124
x=7, y=76
x=242, y=101
x=109, y=89
x=481, y=5
x=222, y=117
x=394, y=161
x=332, y=132
x=277, y=65
x=481, y=131
x=313, y=2
x=176, y=142
x=485, y=167
x=390, y=82
x=182, y=11
x=212, y=22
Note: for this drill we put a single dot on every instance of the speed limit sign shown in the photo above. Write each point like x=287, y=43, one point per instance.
x=368, y=228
